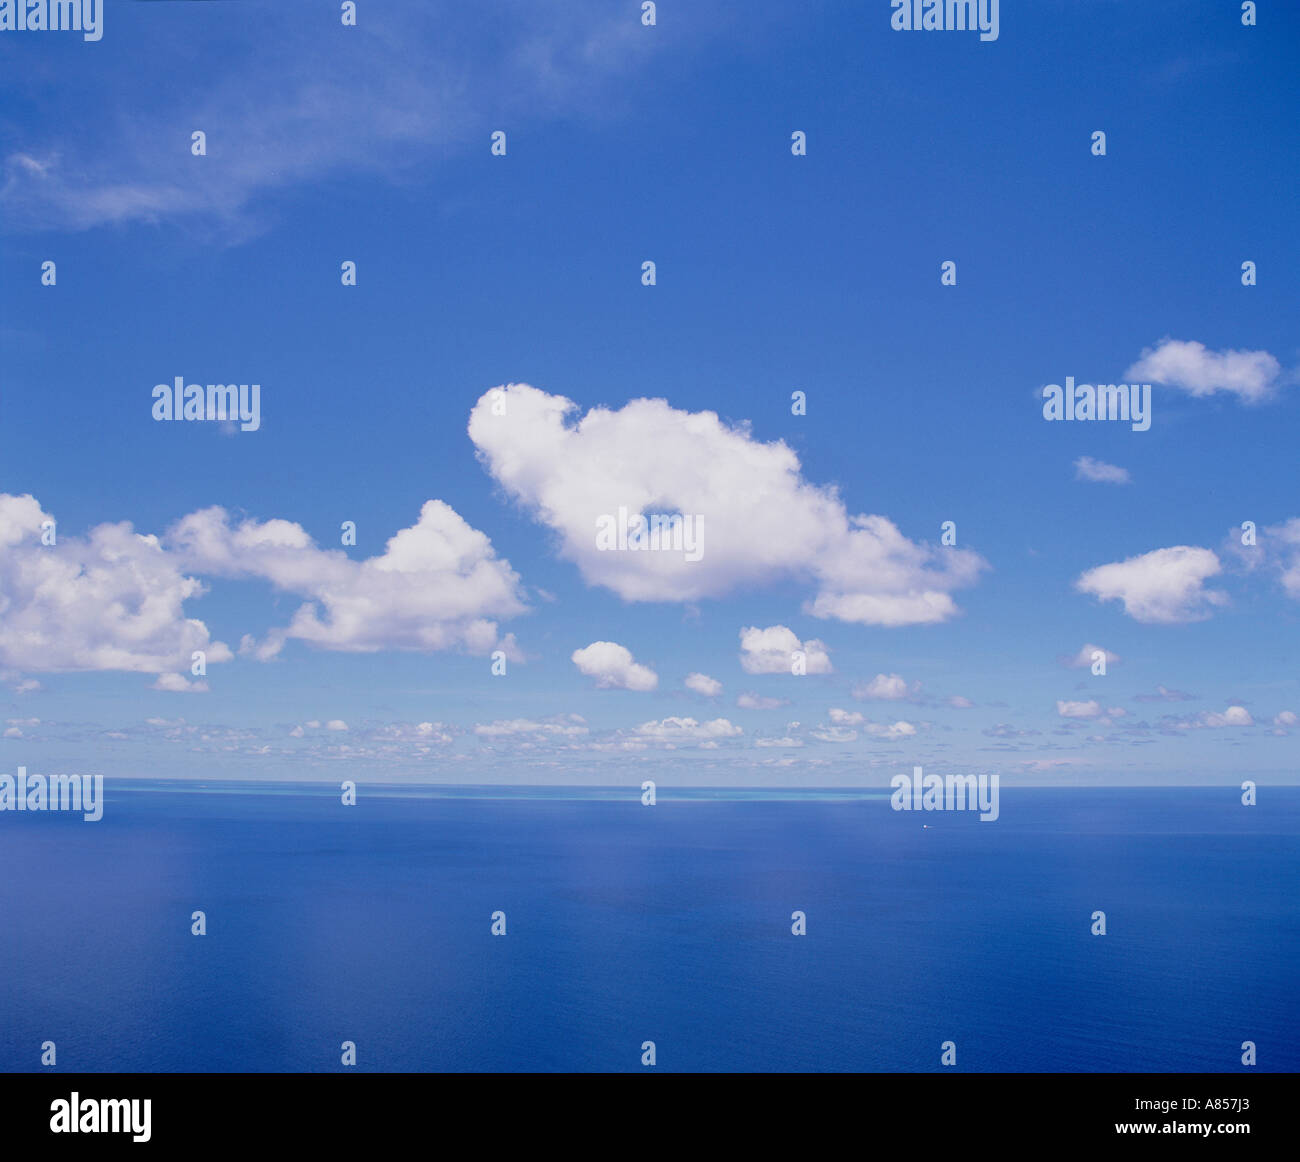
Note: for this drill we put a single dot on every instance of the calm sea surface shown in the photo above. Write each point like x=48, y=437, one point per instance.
x=669, y=924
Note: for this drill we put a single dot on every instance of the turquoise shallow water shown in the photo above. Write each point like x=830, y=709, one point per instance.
x=668, y=923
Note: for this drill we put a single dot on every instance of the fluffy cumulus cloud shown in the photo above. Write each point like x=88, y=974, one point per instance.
x=438, y=584
x=748, y=700
x=772, y=651
x=1191, y=367
x=114, y=599
x=614, y=668
x=703, y=684
x=762, y=522
x=111, y=600
x=1099, y=472
x=1165, y=586
x=846, y=717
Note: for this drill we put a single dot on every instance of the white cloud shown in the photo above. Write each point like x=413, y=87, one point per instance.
x=786, y=741
x=412, y=732
x=748, y=700
x=885, y=688
x=1191, y=367
x=846, y=717
x=1006, y=730
x=834, y=734
x=1165, y=586
x=614, y=668
x=891, y=731
x=1036, y=765
x=572, y=727
x=438, y=585
x=960, y=702
x=1281, y=545
x=1164, y=694
x=772, y=650
x=763, y=522
x=685, y=730
x=1233, y=716
x=1090, y=709
x=872, y=575
x=336, y=724
x=1210, y=719
x=703, y=684
x=179, y=684
x=1286, y=718
x=113, y=600
x=1099, y=472
x=437, y=80
x=1083, y=659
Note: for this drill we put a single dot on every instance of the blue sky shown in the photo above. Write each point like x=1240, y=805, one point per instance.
x=775, y=273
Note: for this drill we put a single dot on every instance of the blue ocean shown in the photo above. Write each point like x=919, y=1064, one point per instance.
x=672, y=924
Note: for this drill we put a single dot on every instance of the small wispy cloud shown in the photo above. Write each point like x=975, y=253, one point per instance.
x=1164, y=694
x=886, y=688
x=1099, y=472
x=287, y=101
